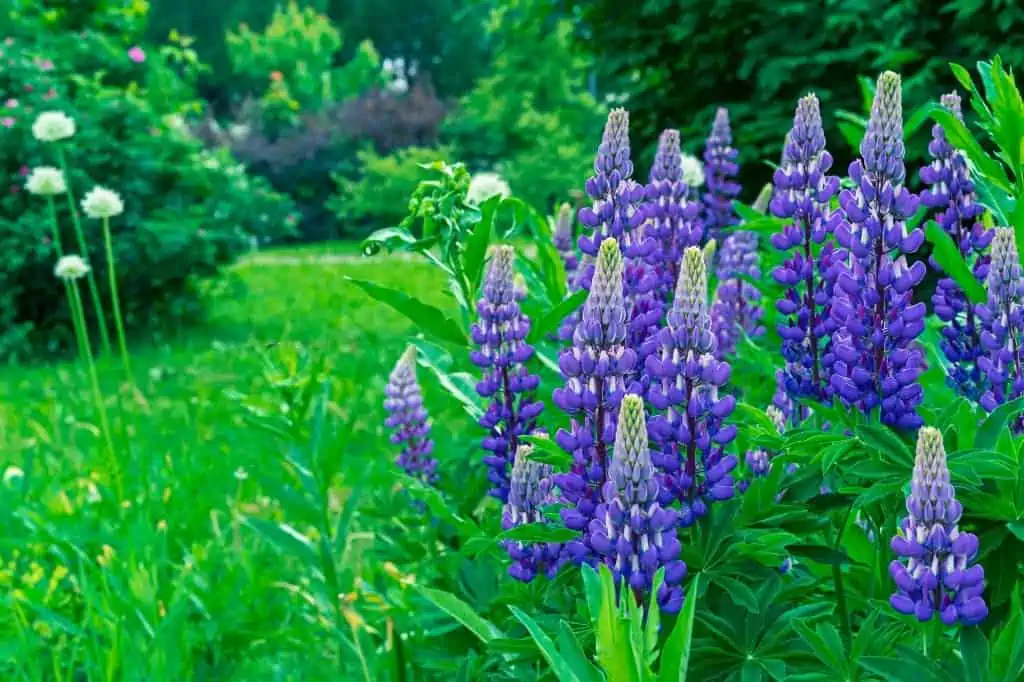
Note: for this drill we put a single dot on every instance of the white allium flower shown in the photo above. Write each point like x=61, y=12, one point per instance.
x=101, y=202
x=52, y=126
x=46, y=181
x=693, y=171
x=71, y=267
x=483, y=186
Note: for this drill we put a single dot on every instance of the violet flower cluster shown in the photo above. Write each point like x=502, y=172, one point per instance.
x=737, y=306
x=720, y=170
x=632, y=533
x=933, y=574
x=502, y=353
x=803, y=190
x=684, y=379
x=408, y=420
x=1002, y=320
x=759, y=460
x=529, y=491
x=951, y=195
x=877, y=357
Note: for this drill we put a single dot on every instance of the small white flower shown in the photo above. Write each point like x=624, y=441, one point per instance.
x=101, y=202
x=483, y=186
x=13, y=476
x=693, y=171
x=71, y=267
x=52, y=126
x=239, y=131
x=241, y=474
x=46, y=181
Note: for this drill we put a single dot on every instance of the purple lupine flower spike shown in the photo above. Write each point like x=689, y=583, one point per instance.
x=684, y=378
x=720, y=169
x=595, y=368
x=1002, y=319
x=737, y=306
x=408, y=420
x=564, y=240
x=632, y=533
x=530, y=490
x=877, y=358
x=933, y=574
x=951, y=195
x=502, y=353
x=803, y=190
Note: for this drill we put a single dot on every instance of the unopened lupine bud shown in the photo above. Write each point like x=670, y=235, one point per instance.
x=529, y=491
x=564, y=241
x=408, y=420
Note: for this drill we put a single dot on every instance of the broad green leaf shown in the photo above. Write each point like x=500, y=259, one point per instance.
x=738, y=592
x=476, y=249
x=538, y=532
x=578, y=661
x=614, y=651
x=547, y=451
x=546, y=645
x=484, y=629
x=675, y=656
x=995, y=423
x=286, y=539
x=427, y=318
x=974, y=649
x=895, y=670
x=553, y=318
x=952, y=262
x=1007, y=658
x=885, y=442
x=820, y=554
x=962, y=139
x=751, y=672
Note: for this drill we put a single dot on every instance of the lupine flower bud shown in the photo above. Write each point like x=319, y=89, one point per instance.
x=720, y=169
x=502, y=354
x=1002, y=321
x=803, y=190
x=595, y=369
x=933, y=576
x=737, y=306
x=759, y=460
x=408, y=420
x=951, y=195
x=877, y=358
x=564, y=241
x=633, y=534
x=684, y=378
x=529, y=491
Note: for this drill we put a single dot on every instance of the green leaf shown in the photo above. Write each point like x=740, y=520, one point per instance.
x=538, y=532
x=738, y=592
x=895, y=670
x=578, y=661
x=484, y=629
x=823, y=642
x=426, y=317
x=476, y=248
x=546, y=645
x=553, y=318
x=974, y=649
x=995, y=423
x=952, y=263
x=885, y=442
x=614, y=651
x=1007, y=658
x=751, y=672
x=821, y=554
x=286, y=539
x=962, y=139
x=547, y=451
x=675, y=656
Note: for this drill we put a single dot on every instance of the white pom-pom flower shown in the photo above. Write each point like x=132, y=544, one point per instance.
x=53, y=126
x=71, y=268
x=693, y=171
x=46, y=181
x=483, y=186
x=101, y=202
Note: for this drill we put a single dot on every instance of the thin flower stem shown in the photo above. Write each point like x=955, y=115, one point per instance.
x=116, y=302
x=94, y=292
x=55, y=227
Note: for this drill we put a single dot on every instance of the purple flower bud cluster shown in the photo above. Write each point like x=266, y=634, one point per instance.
x=529, y=491
x=502, y=353
x=684, y=378
x=633, y=534
x=564, y=241
x=720, y=170
x=595, y=368
x=1002, y=320
x=803, y=190
x=951, y=195
x=408, y=420
x=737, y=306
x=933, y=575
x=877, y=358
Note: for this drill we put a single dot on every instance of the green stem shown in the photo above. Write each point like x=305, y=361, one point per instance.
x=55, y=226
x=94, y=292
x=837, y=578
x=115, y=301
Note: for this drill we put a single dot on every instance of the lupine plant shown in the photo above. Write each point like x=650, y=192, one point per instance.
x=1002, y=321
x=530, y=490
x=409, y=421
x=737, y=309
x=720, y=170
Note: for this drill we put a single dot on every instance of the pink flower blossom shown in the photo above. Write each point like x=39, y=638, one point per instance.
x=24, y=170
x=11, y=103
x=50, y=94
x=46, y=65
x=137, y=55
x=29, y=87
x=8, y=41
x=7, y=121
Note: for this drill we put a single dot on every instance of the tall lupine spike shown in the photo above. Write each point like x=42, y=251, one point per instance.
x=720, y=170
x=564, y=240
x=933, y=576
x=595, y=368
x=408, y=420
x=877, y=358
x=1002, y=320
x=672, y=220
x=502, y=353
x=684, y=379
x=803, y=190
x=633, y=534
x=737, y=307
x=530, y=490
x=951, y=195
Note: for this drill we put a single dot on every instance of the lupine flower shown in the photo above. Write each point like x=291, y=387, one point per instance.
x=483, y=186
x=529, y=491
x=737, y=306
x=877, y=358
x=502, y=353
x=684, y=379
x=46, y=181
x=951, y=195
x=693, y=176
x=564, y=241
x=720, y=169
x=100, y=202
x=933, y=576
x=595, y=369
x=803, y=190
x=408, y=420
x=1002, y=319
x=759, y=460
x=53, y=126
x=71, y=268
x=634, y=534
